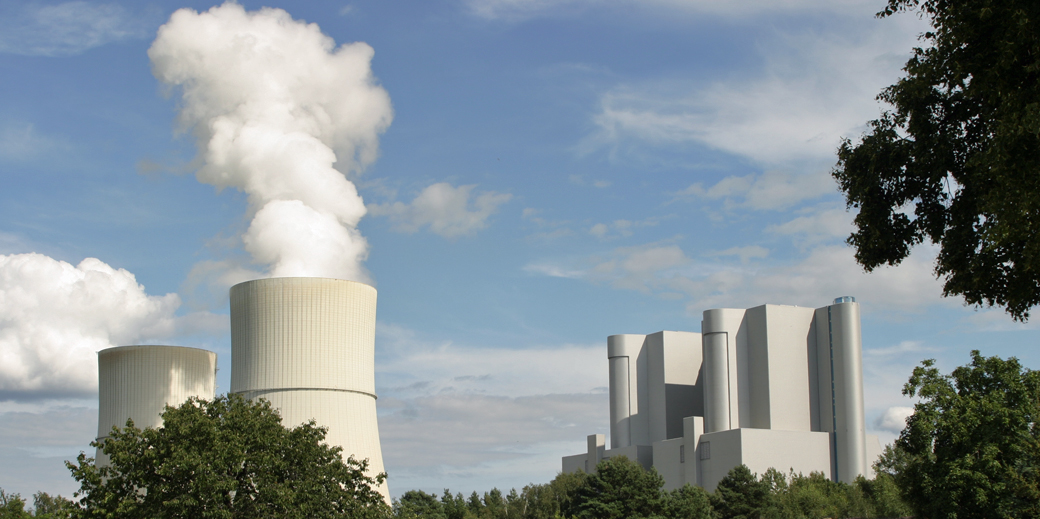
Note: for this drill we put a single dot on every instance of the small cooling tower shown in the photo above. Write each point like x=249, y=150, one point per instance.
x=138, y=382
x=307, y=345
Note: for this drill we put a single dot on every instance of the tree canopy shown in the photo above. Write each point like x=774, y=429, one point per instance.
x=972, y=446
x=956, y=160
x=225, y=458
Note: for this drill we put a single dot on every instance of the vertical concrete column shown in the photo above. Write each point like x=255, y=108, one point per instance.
x=693, y=427
x=716, y=382
x=623, y=355
x=847, y=351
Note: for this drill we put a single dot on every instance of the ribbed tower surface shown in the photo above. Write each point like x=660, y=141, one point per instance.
x=138, y=382
x=307, y=345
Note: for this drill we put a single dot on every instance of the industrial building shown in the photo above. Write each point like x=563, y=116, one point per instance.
x=769, y=387
x=307, y=345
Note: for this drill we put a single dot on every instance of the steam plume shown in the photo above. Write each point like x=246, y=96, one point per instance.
x=282, y=114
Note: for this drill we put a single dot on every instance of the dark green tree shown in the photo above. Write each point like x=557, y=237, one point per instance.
x=688, y=502
x=957, y=158
x=620, y=489
x=740, y=495
x=418, y=504
x=225, y=458
x=972, y=446
x=454, y=506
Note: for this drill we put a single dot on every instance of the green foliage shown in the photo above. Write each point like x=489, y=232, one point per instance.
x=972, y=446
x=620, y=489
x=226, y=458
x=688, y=502
x=454, y=506
x=416, y=503
x=957, y=158
x=740, y=495
x=12, y=506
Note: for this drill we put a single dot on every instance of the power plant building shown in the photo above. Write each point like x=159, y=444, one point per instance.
x=138, y=382
x=768, y=387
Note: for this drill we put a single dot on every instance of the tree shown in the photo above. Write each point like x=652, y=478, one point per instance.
x=957, y=158
x=225, y=458
x=688, y=502
x=972, y=446
x=416, y=503
x=12, y=506
x=740, y=495
x=620, y=489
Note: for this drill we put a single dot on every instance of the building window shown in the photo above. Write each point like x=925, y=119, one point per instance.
x=705, y=450
x=682, y=454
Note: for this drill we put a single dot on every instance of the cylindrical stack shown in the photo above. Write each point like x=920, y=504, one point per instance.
x=138, y=382
x=307, y=345
x=850, y=429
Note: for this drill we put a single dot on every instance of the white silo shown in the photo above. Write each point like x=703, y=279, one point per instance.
x=138, y=382
x=307, y=345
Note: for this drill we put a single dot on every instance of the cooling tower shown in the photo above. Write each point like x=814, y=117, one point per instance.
x=307, y=345
x=138, y=382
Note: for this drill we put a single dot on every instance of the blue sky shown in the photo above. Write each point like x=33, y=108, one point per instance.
x=549, y=172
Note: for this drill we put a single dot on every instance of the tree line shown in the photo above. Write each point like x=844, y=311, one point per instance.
x=622, y=489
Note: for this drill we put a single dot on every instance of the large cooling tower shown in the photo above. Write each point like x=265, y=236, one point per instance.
x=307, y=345
x=137, y=382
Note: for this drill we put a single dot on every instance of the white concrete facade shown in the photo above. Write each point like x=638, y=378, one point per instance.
x=138, y=382
x=307, y=345
x=771, y=386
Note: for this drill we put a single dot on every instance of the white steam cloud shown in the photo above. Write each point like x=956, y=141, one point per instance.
x=54, y=317
x=282, y=114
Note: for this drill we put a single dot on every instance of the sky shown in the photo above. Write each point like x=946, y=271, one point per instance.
x=518, y=178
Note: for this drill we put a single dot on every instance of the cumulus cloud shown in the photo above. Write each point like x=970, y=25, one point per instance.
x=281, y=114
x=894, y=419
x=55, y=316
x=448, y=211
x=67, y=28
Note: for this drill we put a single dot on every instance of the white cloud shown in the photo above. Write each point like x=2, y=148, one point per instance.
x=21, y=141
x=481, y=409
x=746, y=254
x=816, y=225
x=447, y=211
x=519, y=10
x=823, y=273
x=54, y=317
x=815, y=88
x=894, y=419
x=67, y=28
x=620, y=228
x=770, y=190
